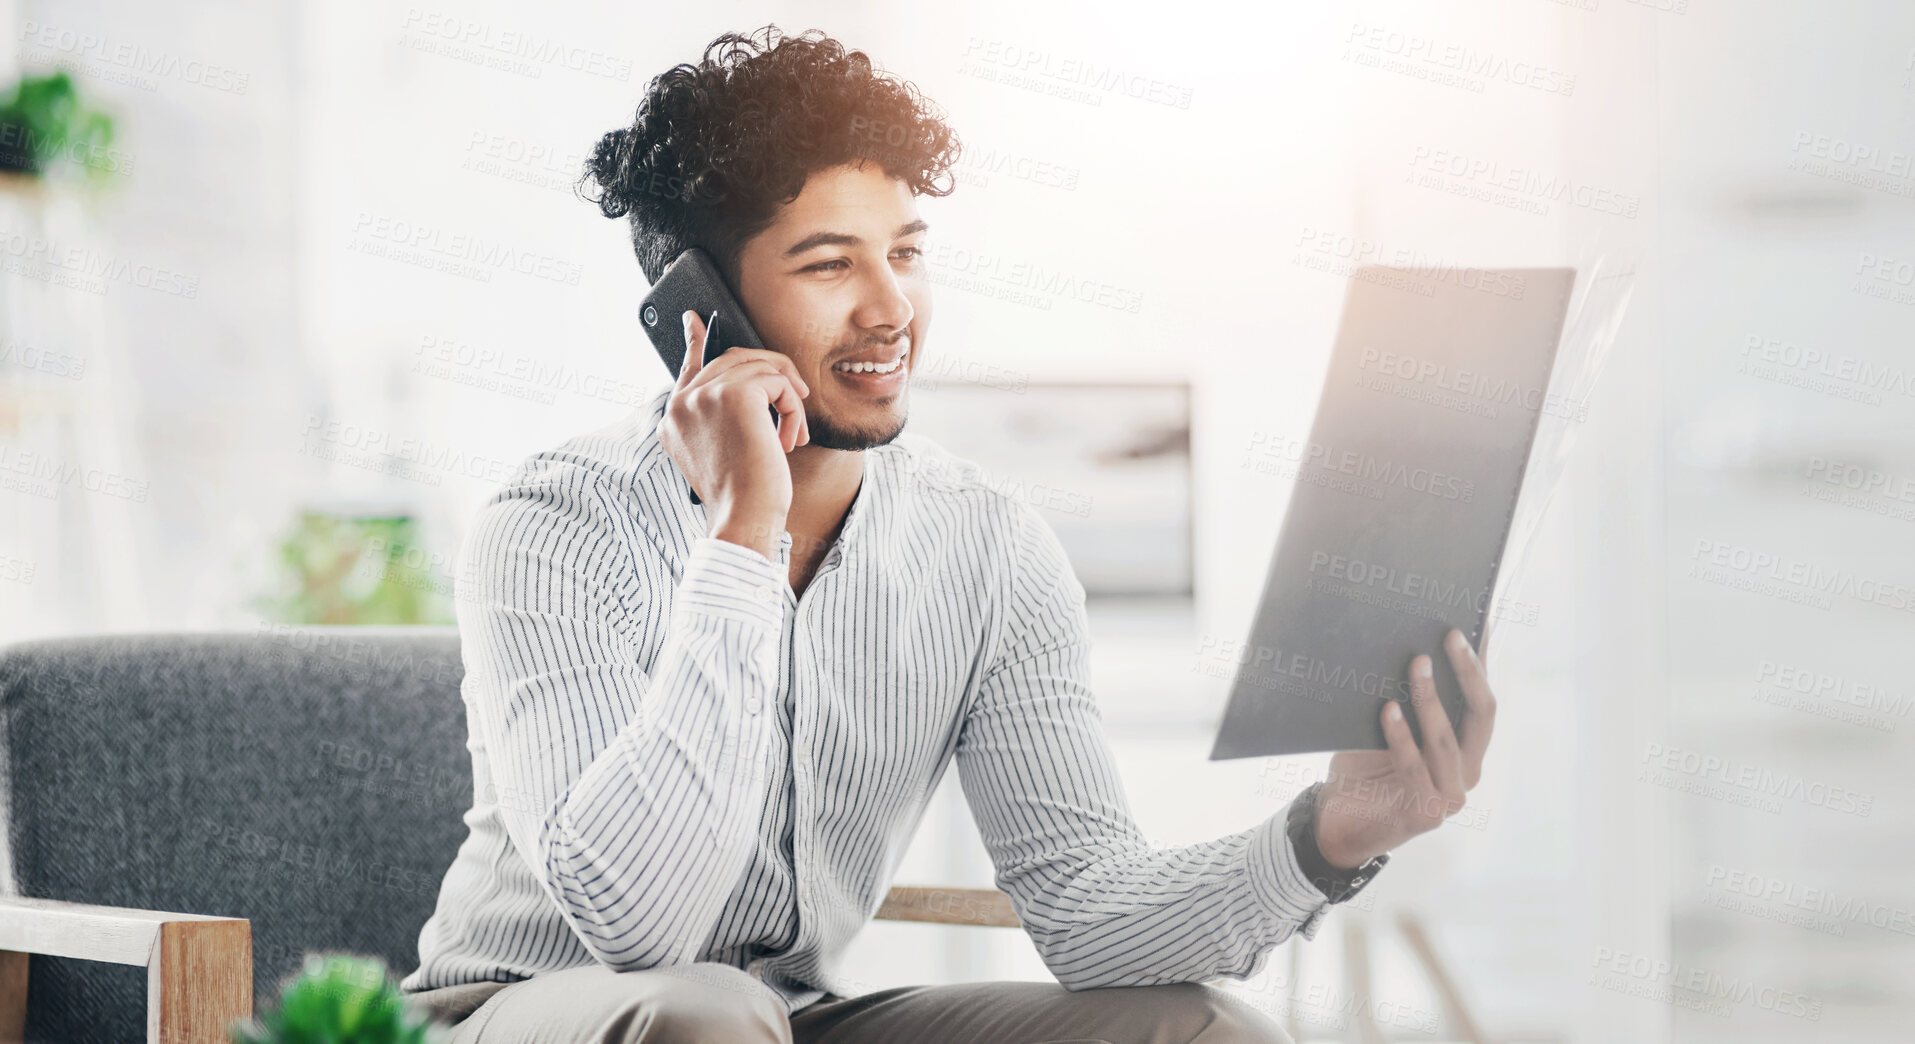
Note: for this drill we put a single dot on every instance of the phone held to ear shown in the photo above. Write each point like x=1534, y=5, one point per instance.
x=692, y=282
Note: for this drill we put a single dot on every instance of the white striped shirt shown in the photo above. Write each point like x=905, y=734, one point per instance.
x=675, y=759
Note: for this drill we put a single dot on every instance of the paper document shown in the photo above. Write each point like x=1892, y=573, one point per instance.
x=1404, y=494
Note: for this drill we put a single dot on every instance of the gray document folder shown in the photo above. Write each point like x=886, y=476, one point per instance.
x=1404, y=494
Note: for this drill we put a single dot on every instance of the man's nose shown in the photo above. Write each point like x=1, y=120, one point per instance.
x=883, y=303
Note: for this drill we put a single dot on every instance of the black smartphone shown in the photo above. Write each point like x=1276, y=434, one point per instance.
x=692, y=282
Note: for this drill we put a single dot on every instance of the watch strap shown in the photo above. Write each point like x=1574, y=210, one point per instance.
x=1336, y=883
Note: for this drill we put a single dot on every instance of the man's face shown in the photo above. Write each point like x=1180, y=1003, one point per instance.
x=839, y=278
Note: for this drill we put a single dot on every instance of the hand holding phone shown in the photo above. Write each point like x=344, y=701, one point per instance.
x=693, y=282
x=714, y=428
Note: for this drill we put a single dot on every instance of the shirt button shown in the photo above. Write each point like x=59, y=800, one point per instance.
x=752, y=704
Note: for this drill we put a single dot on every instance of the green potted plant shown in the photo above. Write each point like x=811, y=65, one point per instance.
x=357, y=567
x=340, y=999
x=43, y=120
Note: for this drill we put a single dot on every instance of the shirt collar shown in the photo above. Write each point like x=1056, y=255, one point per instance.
x=849, y=537
x=693, y=523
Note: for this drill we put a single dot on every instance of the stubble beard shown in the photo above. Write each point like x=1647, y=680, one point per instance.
x=826, y=433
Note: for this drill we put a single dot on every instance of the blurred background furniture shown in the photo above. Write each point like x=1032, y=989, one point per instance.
x=309, y=781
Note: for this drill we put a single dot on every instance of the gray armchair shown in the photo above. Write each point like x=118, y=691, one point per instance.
x=295, y=789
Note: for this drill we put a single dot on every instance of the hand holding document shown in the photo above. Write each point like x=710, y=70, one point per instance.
x=1402, y=508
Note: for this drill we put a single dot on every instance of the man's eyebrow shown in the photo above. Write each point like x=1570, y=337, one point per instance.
x=818, y=239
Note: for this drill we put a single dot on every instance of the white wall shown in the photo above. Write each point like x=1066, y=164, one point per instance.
x=170, y=483
x=1771, y=204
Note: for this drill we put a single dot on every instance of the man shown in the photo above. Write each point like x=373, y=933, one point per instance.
x=703, y=731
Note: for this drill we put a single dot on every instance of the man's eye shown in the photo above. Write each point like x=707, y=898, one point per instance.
x=913, y=252
x=826, y=266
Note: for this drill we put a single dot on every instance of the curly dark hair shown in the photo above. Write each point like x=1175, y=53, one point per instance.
x=717, y=147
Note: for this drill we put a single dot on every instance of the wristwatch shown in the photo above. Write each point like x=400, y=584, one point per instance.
x=1335, y=882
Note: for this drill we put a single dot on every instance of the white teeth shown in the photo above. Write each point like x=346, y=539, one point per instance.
x=866, y=367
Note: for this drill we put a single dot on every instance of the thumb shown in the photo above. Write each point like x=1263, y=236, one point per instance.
x=694, y=348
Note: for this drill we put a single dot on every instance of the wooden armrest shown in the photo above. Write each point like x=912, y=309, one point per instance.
x=985, y=907
x=199, y=969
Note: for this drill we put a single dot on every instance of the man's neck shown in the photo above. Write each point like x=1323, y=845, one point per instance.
x=824, y=482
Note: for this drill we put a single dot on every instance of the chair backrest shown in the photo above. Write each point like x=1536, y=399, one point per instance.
x=311, y=780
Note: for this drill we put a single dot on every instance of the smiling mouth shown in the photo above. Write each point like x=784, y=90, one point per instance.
x=872, y=369
x=879, y=369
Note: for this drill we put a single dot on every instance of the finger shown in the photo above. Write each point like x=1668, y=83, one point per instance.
x=778, y=392
x=735, y=365
x=1480, y=719
x=757, y=359
x=1441, y=753
x=792, y=424
x=782, y=362
x=789, y=424
x=694, y=348
x=1405, y=759
x=804, y=387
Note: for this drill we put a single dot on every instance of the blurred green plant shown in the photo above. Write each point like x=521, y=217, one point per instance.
x=340, y=999
x=342, y=569
x=43, y=120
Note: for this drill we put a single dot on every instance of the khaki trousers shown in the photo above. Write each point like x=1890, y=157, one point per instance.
x=718, y=1004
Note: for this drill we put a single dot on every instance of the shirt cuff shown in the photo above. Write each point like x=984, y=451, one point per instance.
x=729, y=580
x=1278, y=880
